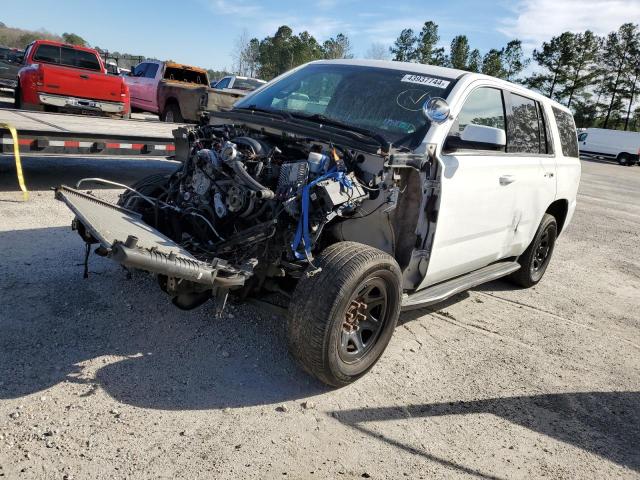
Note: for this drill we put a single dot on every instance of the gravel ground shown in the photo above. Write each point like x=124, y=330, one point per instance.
x=104, y=378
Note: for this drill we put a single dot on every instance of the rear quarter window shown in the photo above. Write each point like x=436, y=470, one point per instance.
x=567, y=131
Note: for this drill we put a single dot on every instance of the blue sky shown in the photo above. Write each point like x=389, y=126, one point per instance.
x=203, y=32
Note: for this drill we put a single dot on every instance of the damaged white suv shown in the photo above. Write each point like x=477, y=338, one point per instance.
x=348, y=191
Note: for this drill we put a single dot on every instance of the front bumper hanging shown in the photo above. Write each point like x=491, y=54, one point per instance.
x=128, y=240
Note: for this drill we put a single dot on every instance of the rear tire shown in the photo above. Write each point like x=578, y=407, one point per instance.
x=341, y=318
x=17, y=98
x=171, y=114
x=535, y=259
x=626, y=159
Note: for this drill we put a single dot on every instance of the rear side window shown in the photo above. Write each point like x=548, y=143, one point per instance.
x=47, y=54
x=524, y=127
x=567, y=131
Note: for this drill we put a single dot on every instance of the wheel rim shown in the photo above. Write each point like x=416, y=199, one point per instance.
x=542, y=252
x=363, y=320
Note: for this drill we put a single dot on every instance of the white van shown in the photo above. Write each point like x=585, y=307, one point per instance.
x=616, y=144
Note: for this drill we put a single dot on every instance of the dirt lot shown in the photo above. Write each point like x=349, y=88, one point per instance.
x=104, y=378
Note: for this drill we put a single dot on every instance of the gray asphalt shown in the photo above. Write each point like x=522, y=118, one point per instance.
x=103, y=378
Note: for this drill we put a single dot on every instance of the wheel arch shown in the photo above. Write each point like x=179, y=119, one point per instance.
x=559, y=210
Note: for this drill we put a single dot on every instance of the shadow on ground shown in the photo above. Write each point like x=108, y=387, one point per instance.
x=52, y=320
x=604, y=423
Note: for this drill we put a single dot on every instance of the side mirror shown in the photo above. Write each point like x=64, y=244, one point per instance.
x=481, y=134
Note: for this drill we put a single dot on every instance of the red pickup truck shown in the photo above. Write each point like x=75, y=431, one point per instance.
x=60, y=77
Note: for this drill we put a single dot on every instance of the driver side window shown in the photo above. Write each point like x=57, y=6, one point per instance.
x=140, y=69
x=484, y=107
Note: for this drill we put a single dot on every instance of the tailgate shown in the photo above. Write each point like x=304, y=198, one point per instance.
x=131, y=242
x=76, y=82
x=220, y=100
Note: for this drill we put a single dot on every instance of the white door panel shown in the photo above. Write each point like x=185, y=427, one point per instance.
x=475, y=218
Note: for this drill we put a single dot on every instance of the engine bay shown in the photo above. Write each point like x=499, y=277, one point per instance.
x=262, y=202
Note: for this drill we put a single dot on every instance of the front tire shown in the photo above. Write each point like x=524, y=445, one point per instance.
x=535, y=259
x=341, y=318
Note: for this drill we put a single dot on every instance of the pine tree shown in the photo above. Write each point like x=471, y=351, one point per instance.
x=617, y=56
x=554, y=57
x=475, y=61
x=492, y=64
x=403, y=49
x=426, y=52
x=513, y=59
x=459, y=53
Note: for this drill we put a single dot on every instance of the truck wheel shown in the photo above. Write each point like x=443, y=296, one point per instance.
x=625, y=159
x=341, y=317
x=152, y=186
x=171, y=114
x=17, y=98
x=535, y=259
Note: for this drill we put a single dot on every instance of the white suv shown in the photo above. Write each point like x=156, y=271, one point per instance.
x=352, y=190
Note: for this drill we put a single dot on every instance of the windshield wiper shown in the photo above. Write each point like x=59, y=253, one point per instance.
x=319, y=118
x=269, y=111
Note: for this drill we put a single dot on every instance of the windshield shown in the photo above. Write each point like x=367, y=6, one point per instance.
x=384, y=101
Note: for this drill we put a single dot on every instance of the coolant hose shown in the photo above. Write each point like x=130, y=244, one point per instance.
x=261, y=191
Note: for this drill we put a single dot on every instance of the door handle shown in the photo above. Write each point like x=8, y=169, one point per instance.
x=548, y=174
x=86, y=77
x=507, y=179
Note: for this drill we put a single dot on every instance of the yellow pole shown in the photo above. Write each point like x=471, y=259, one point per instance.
x=16, y=154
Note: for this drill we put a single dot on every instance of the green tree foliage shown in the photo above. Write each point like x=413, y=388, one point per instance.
x=554, y=59
x=19, y=38
x=73, y=39
x=513, y=60
x=427, y=51
x=404, y=50
x=492, y=64
x=285, y=50
x=459, y=53
x=475, y=61
x=338, y=47
x=582, y=67
x=618, y=56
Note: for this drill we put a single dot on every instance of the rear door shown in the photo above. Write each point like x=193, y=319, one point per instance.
x=148, y=86
x=532, y=167
x=133, y=81
x=476, y=213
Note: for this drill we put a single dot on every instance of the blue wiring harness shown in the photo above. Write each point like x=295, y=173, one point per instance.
x=302, y=232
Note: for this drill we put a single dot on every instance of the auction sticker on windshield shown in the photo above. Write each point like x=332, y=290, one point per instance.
x=425, y=80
